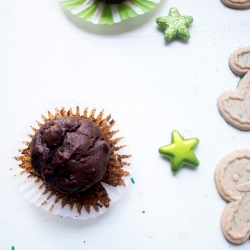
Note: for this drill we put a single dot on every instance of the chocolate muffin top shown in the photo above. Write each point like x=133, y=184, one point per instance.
x=69, y=153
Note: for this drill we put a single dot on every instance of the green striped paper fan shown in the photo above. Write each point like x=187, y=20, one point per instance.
x=101, y=13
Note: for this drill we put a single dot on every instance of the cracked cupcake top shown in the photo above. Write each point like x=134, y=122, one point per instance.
x=70, y=154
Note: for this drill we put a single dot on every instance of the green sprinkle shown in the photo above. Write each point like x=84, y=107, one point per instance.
x=240, y=78
x=12, y=248
x=248, y=221
x=133, y=181
x=143, y=212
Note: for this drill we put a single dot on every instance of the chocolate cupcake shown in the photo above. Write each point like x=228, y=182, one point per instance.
x=71, y=165
x=70, y=154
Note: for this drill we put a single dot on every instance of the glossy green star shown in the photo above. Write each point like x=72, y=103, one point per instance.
x=180, y=151
x=175, y=25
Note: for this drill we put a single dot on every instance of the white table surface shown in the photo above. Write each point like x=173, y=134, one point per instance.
x=153, y=87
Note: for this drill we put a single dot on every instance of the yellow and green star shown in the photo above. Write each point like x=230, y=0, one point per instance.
x=180, y=151
x=175, y=25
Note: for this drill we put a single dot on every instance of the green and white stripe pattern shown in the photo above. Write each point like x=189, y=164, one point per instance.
x=101, y=13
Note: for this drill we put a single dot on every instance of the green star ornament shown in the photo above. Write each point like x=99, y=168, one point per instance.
x=175, y=25
x=180, y=152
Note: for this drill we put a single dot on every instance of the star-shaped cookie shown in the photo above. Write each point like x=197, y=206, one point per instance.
x=175, y=25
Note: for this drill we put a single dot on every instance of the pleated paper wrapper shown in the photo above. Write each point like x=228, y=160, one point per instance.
x=101, y=13
x=30, y=189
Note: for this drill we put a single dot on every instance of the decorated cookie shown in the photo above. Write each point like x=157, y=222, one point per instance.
x=175, y=25
x=234, y=106
x=232, y=179
x=237, y=4
x=108, y=11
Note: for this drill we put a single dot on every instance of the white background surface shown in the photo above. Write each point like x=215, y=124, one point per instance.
x=153, y=87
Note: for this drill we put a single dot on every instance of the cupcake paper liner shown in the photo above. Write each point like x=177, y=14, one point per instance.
x=31, y=187
x=101, y=13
